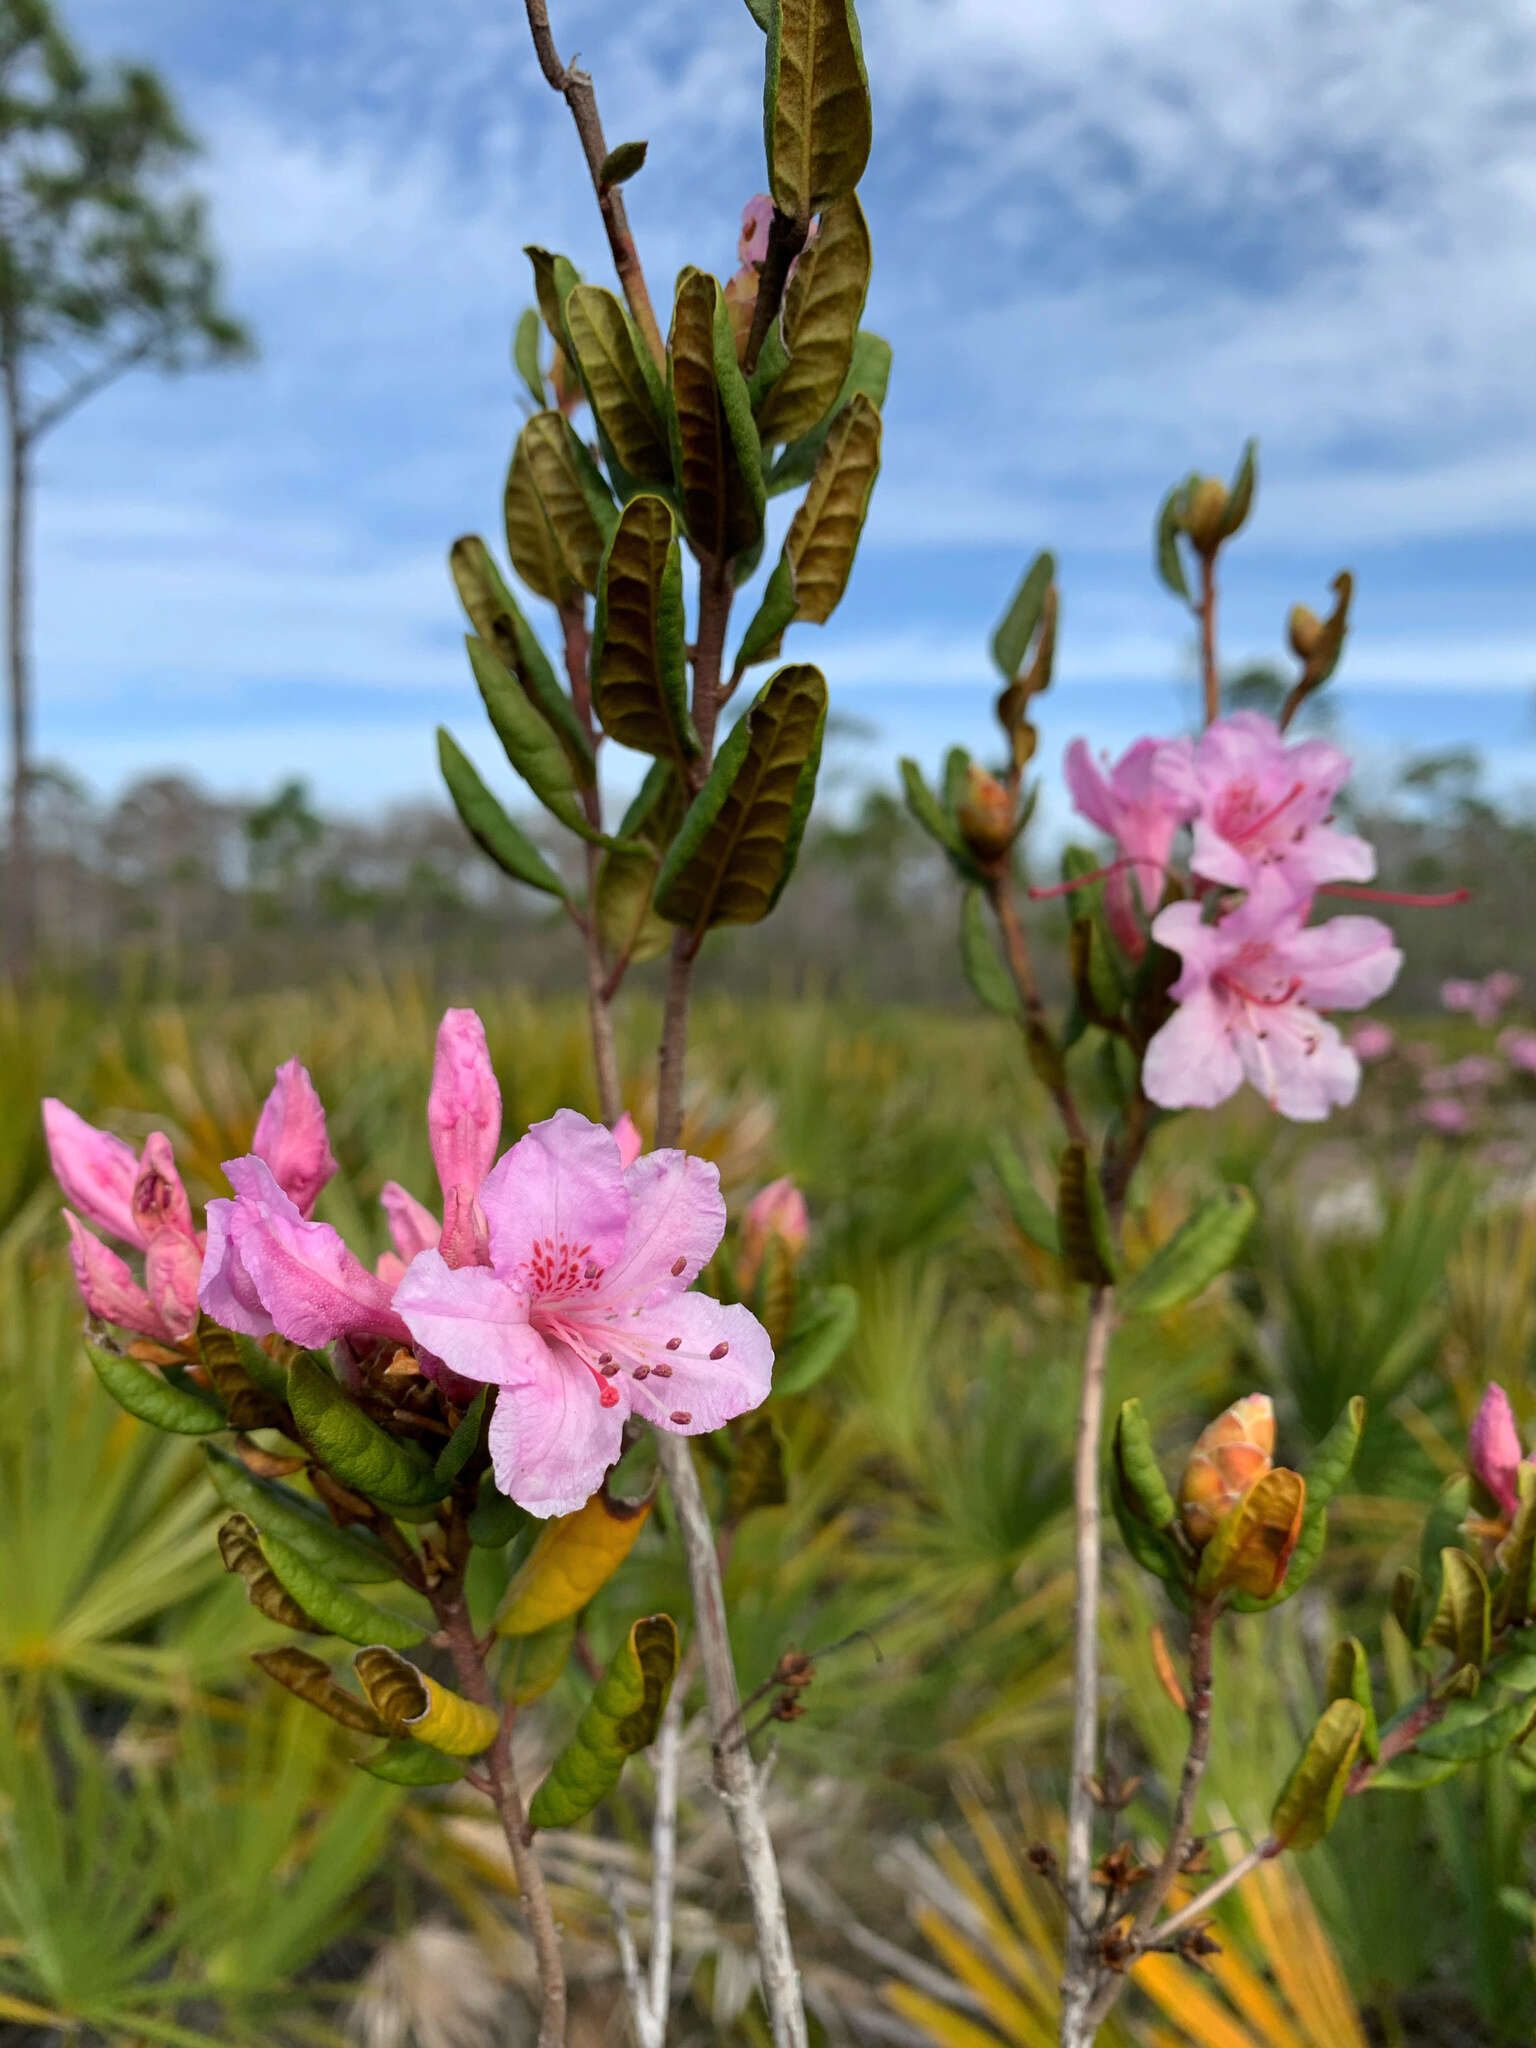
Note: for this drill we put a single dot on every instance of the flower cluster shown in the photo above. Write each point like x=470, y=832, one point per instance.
x=1257, y=975
x=559, y=1272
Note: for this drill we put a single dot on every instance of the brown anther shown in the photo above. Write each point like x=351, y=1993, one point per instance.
x=681, y=1417
x=609, y=1370
x=605, y=1358
x=720, y=1350
x=662, y=1372
x=674, y=1343
x=642, y=1372
x=678, y=1265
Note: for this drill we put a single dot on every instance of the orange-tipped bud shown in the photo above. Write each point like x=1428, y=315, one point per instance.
x=986, y=814
x=1229, y=1455
x=1204, y=510
x=1304, y=630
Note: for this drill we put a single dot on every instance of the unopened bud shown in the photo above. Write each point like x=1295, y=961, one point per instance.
x=1305, y=630
x=986, y=814
x=776, y=1212
x=1204, y=510
x=1229, y=1455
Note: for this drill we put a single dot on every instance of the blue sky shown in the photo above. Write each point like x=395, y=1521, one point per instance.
x=1112, y=237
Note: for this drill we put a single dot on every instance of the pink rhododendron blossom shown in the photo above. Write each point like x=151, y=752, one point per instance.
x=96, y=1171
x=464, y=1121
x=776, y=1211
x=1493, y=1448
x=1261, y=804
x=1477, y=1070
x=268, y=1269
x=1372, y=1041
x=1485, y=1000
x=1445, y=1114
x=106, y=1283
x=626, y=1133
x=756, y=219
x=1519, y=1048
x=173, y=1264
x=1250, y=1000
x=1141, y=812
x=291, y=1137
x=159, y=1200
x=140, y=1200
x=583, y=1317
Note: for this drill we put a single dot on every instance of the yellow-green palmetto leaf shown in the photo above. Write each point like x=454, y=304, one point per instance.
x=577, y=504
x=408, y=1702
x=310, y=1678
x=488, y=824
x=499, y=621
x=824, y=535
x=620, y=1718
x=573, y=1559
x=529, y=742
x=352, y=1446
x=1200, y=1250
x=715, y=447
x=816, y=114
x=351, y=1554
x=241, y=1551
x=621, y=383
x=819, y=325
x=627, y=924
x=1311, y=1796
x=177, y=1408
x=638, y=667
x=335, y=1608
x=869, y=372
x=737, y=844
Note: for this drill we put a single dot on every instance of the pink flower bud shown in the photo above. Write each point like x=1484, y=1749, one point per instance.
x=107, y=1285
x=756, y=219
x=776, y=1211
x=412, y=1225
x=464, y=1107
x=173, y=1265
x=96, y=1171
x=291, y=1137
x=466, y=1239
x=159, y=1199
x=627, y=1133
x=1493, y=1447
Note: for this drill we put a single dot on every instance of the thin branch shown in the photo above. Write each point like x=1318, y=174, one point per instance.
x=665, y=1760
x=786, y=240
x=1199, y=1908
x=1078, y=1984
x=1209, y=672
x=1021, y=969
x=575, y=86
x=601, y=987
x=86, y=386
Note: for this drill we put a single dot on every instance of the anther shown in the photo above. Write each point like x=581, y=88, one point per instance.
x=681, y=1417
x=678, y=1265
x=662, y=1372
x=608, y=1369
x=605, y=1358
x=674, y=1343
x=720, y=1350
x=641, y=1371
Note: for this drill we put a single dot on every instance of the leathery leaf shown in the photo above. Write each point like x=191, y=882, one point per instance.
x=621, y=384
x=335, y=1608
x=620, y=1718
x=639, y=677
x=714, y=441
x=310, y=1678
x=1311, y=1796
x=143, y=1392
x=351, y=1444
x=488, y=824
x=819, y=326
x=241, y=1552
x=410, y=1703
x=573, y=1557
x=824, y=535
x=816, y=114
x=1201, y=1249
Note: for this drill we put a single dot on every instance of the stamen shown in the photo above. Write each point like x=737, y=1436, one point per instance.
x=720, y=1350
x=1253, y=829
x=674, y=1343
x=662, y=1372
x=681, y=1417
x=641, y=1371
x=1116, y=867
x=608, y=1369
x=605, y=1358
x=678, y=1265
x=1404, y=900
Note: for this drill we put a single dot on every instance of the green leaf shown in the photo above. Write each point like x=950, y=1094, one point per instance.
x=310, y=1678
x=1470, y=1730
x=498, y=619
x=260, y=1367
x=494, y=1520
x=1462, y=1620
x=577, y=503
x=525, y=354
x=991, y=983
x=1010, y=643
x=1512, y=1599
x=240, y=1549
x=539, y=1659
x=627, y=925
x=1031, y=1212
x=143, y=1392
x=639, y=676
x=870, y=373
x=1255, y=1540
x=351, y=1445
x=1240, y=495
x=737, y=844
x=335, y=1607
x=488, y=824
x=824, y=535
x=816, y=114
x=460, y=1447
x=1138, y=1474
x=621, y=384
x=934, y=819
x=1349, y=1678
x=1310, y=1798
x=535, y=553
x=824, y=1324
x=765, y=634
x=1412, y=1773
x=277, y=1510
x=819, y=326
x=715, y=448
x=1082, y=1222
x=1442, y=1529
x=621, y=1717
x=529, y=742
x=411, y=1763
x=1326, y=1472
x=408, y=1702
x=1200, y=1250
x=759, y=11
x=622, y=162
x=1170, y=566
x=245, y=1403
x=554, y=279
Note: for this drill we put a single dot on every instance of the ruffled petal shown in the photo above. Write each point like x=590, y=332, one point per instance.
x=464, y=1107
x=676, y=1220
x=95, y=1170
x=551, y=1439
x=225, y=1289
x=412, y=1226
x=107, y=1285
x=314, y=1289
x=1299, y=1063
x=556, y=1203
x=291, y=1137
x=471, y=1319
x=1345, y=963
x=172, y=1266
x=703, y=1361
x=159, y=1199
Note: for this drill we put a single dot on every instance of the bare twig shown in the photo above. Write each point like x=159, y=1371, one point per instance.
x=1210, y=674
x=665, y=1758
x=1021, y=969
x=1199, y=1908
x=601, y=988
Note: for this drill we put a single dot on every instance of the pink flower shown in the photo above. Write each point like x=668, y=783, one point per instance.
x=1477, y=1070
x=627, y=1136
x=1250, y=999
x=96, y=1171
x=140, y=1200
x=1519, y=1048
x=291, y=1137
x=1493, y=1448
x=776, y=1211
x=107, y=1285
x=1141, y=812
x=1501, y=987
x=268, y=1269
x=1260, y=804
x=1444, y=1114
x=583, y=1317
x=756, y=219
x=1372, y=1041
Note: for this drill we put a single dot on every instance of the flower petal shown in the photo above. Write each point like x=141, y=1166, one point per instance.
x=412, y=1225
x=172, y=1265
x=676, y=1219
x=225, y=1289
x=464, y=1107
x=551, y=1439
x=1191, y=1062
x=1300, y=1063
x=470, y=1318
x=107, y=1285
x=556, y=1198
x=314, y=1289
x=291, y=1137
x=1345, y=963
x=95, y=1170
x=626, y=1134
x=159, y=1199
x=1493, y=1447
x=691, y=1380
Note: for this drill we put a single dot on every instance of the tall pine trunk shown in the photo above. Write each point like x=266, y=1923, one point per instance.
x=20, y=881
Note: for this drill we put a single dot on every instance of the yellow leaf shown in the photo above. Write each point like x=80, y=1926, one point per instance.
x=574, y=1557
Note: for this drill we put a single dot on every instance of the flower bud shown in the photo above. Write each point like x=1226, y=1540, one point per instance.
x=291, y=1137
x=1305, y=631
x=777, y=1211
x=1204, y=510
x=1493, y=1448
x=986, y=814
x=1229, y=1455
x=464, y=1107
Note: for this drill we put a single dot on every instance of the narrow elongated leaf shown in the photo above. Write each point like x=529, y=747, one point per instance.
x=573, y=1558
x=1200, y=1250
x=824, y=1324
x=715, y=446
x=1512, y=1600
x=1081, y=1221
x=819, y=325
x=934, y=819
x=1140, y=1475
x=619, y=379
x=353, y=1446
x=410, y=1703
x=411, y=1763
x=1442, y=1530
x=870, y=373
x=277, y=1510
x=639, y=675
x=498, y=619
x=1170, y=566
x=242, y=1400
x=738, y=841
x=1463, y=1618
x=1310, y=1798
x=488, y=824
x=1010, y=643
x=824, y=535
x=627, y=925
x=991, y=983
x=494, y=1520
x=816, y=116
x=577, y=503
x=1349, y=1678
x=555, y=277
x=1029, y=1209
x=535, y=553
x=333, y=1606
x=538, y=1660
x=240, y=1549
x=620, y=1718
x=765, y=634
x=152, y=1399
x=1470, y=1730
x=759, y=10
x=529, y=741
x=620, y=165
x=310, y=1677
x=456, y=1453
x=525, y=354
x=1254, y=1540
x=1240, y=495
